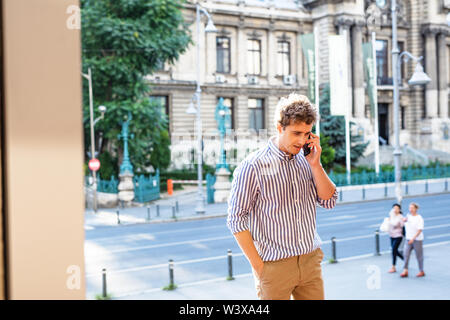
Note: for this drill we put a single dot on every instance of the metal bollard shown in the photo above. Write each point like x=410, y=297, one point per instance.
x=426, y=186
x=333, y=249
x=173, y=213
x=340, y=195
x=171, y=284
x=104, y=292
x=377, y=243
x=230, y=265
x=148, y=213
x=406, y=188
x=176, y=206
x=385, y=190
x=446, y=185
x=157, y=210
x=118, y=216
x=364, y=193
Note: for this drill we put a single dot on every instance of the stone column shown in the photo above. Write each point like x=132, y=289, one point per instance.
x=443, y=67
x=271, y=54
x=299, y=57
x=358, y=71
x=241, y=52
x=431, y=93
x=222, y=186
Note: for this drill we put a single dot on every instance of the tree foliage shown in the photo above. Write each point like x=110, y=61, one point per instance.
x=333, y=127
x=122, y=42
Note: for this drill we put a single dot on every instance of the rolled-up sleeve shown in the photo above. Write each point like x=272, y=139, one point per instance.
x=330, y=203
x=242, y=196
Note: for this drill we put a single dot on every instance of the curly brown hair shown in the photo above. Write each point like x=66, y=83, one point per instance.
x=294, y=109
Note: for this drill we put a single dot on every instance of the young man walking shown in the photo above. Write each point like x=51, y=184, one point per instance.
x=272, y=206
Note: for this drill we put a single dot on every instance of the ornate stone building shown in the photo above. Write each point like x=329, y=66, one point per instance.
x=256, y=57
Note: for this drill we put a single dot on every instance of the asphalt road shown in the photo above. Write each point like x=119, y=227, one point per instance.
x=136, y=256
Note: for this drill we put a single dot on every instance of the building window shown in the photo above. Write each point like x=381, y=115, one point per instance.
x=256, y=114
x=254, y=56
x=283, y=58
x=223, y=54
x=163, y=102
x=229, y=102
x=382, y=62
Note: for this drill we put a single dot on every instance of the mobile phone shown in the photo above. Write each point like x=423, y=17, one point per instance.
x=306, y=149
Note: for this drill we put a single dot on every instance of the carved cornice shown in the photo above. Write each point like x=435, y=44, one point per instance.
x=284, y=37
x=381, y=17
x=344, y=21
x=223, y=32
x=311, y=4
x=254, y=35
x=435, y=29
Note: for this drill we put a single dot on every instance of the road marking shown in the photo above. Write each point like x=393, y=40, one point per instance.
x=169, y=244
x=374, y=218
x=425, y=218
x=340, y=217
x=383, y=234
x=158, y=232
x=437, y=236
x=436, y=227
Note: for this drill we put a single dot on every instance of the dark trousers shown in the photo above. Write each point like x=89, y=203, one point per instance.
x=395, y=243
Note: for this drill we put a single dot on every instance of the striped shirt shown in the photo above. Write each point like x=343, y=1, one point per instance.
x=275, y=198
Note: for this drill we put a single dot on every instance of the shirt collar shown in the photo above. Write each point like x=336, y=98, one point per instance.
x=277, y=152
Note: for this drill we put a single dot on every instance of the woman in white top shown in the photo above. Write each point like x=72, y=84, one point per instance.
x=396, y=233
x=414, y=238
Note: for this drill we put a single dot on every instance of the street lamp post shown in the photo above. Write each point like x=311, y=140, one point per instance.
x=200, y=208
x=102, y=109
x=418, y=78
x=223, y=123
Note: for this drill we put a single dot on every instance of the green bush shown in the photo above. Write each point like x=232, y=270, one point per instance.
x=328, y=153
x=108, y=166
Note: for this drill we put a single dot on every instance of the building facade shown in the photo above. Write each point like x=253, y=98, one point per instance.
x=255, y=57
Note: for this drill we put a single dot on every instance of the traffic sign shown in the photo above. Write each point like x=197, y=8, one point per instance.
x=94, y=164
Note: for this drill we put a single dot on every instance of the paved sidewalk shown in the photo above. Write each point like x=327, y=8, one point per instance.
x=358, y=278
x=187, y=201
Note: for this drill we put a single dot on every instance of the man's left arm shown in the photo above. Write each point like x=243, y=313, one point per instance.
x=326, y=189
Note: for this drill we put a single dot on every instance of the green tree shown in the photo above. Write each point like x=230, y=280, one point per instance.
x=333, y=127
x=328, y=152
x=122, y=42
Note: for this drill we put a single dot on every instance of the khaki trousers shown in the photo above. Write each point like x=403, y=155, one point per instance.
x=299, y=276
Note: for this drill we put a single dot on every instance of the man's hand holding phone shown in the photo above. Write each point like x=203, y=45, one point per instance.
x=313, y=143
